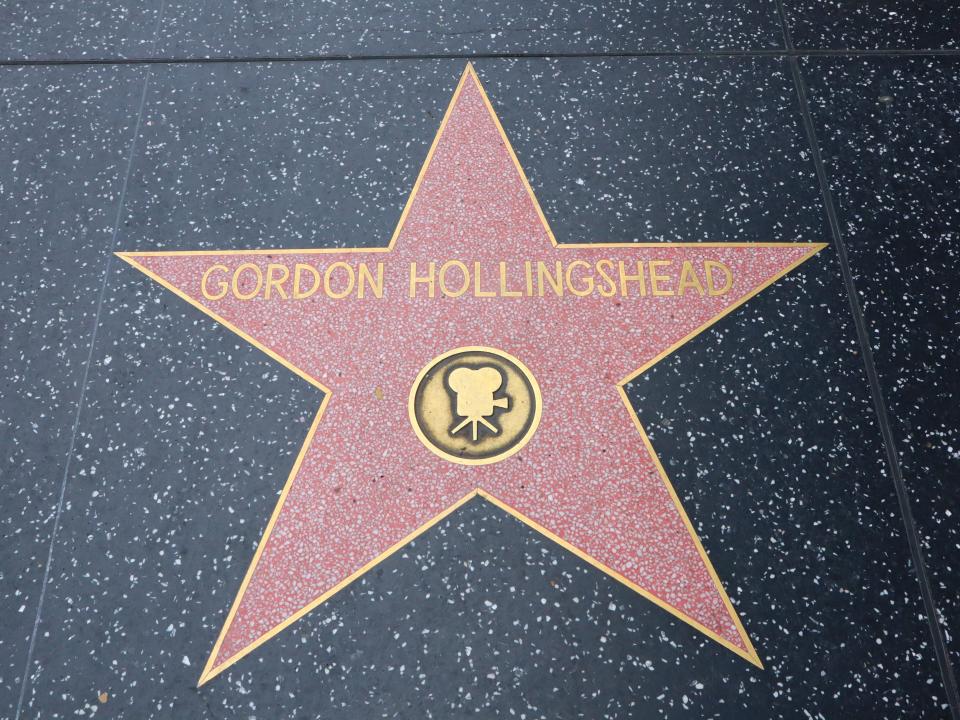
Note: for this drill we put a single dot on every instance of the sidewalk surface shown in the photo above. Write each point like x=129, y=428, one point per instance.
x=811, y=434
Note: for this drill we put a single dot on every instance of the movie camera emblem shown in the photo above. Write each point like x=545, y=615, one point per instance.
x=475, y=405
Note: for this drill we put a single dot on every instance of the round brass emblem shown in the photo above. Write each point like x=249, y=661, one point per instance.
x=475, y=405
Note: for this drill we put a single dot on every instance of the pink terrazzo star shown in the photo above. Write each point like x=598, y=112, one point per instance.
x=364, y=484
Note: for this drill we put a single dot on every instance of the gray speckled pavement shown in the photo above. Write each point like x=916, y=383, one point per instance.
x=811, y=435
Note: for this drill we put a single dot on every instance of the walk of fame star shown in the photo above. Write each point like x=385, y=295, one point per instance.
x=473, y=356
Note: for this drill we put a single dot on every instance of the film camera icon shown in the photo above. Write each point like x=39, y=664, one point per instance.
x=474, y=405
x=474, y=390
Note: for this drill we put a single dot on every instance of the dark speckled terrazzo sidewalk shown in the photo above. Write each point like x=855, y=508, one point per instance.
x=811, y=435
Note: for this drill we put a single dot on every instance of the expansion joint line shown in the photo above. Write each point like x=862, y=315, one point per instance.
x=876, y=390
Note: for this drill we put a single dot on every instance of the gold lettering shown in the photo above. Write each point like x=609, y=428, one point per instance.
x=443, y=278
x=366, y=277
x=688, y=278
x=503, y=283
x=656, y=279
x=427, y=279
x=556, y=283
x=236, y=282
x=221, y=284
x=639, y=277
x=298, y=270
x=276, y=282
x=607, y=280
x=328, y=285
x=587, y=279
x=709, y=266
x=477, y=292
